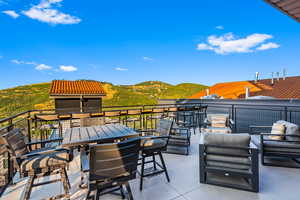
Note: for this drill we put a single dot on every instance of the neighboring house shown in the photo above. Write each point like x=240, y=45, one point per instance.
x=283, y=88
x=77, y=96
x=289, y=7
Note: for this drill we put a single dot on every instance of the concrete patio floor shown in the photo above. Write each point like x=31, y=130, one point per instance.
x=276, y=183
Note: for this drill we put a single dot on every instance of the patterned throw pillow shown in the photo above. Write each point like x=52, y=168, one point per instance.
x=218, y=121
x=278, y=129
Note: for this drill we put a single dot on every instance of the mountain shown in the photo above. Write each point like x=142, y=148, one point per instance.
x=22, y=98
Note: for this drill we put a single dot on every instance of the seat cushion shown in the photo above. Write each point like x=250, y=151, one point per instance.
x=241, y=163
x=291, y=129
x=45, y=160
x=232, y=140
x=278, y=130
x=218, y=121
x=281, y=146
x=216, y=130
x=154, y=143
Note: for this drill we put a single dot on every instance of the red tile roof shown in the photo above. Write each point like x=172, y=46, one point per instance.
x=289, y=7
x=62, y=87
x=282, y=89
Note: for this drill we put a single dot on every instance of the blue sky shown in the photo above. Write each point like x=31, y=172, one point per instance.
x=126, y=42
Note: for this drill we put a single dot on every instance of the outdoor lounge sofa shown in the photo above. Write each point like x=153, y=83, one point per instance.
x=284, y=145
x=229, y=160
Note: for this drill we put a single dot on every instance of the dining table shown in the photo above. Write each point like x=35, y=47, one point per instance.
x=82, y=137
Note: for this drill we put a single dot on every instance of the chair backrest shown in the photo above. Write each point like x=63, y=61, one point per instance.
x=218, y=120
x=112, y=113
x=15, y=142
x=114, y=160
x=86, y=122
x=164, y=127
x=134, y=112
x=80, y=115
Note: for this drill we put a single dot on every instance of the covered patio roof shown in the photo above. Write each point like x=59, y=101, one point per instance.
x=289, y=7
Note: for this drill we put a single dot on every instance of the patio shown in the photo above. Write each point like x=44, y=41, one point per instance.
x=275, y=183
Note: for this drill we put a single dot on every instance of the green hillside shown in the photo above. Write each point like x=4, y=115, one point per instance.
x=22, y=98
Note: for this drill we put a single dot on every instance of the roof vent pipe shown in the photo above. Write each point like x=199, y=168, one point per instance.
x=272, y=80
x=207, y=92
x=256, y=77
x=278, y=76
x=284, y=74
x=247, y=92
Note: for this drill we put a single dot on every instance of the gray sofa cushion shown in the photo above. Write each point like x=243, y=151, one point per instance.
x=229, y=162
x=216, y=130
x=291, y=129
x=232, y=140
x=281, y=146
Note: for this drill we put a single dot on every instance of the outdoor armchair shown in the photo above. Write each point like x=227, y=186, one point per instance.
x=218, y=123
x=37, y=163
x=287, y=145
x=226, y=158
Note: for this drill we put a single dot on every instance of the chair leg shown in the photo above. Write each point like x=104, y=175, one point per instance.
x=88, y=194
x=97, y=195
x=28, y=188
x=122, y=192
x=65, y=181
x=164, y=166
x=130, y=197
x=142, y=173
x=154, y=162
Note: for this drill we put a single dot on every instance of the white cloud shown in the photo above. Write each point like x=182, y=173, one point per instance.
x=68, y=68
x=18, y=62
x=121, y=69
x=11, y=13
x=266, y=46
x=147, y=58
x=45, y=12
x=220, y=27
x=229, y=43
x=21, y=62
x=43, y=67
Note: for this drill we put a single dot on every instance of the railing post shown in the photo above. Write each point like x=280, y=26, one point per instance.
x=285, y=113
x=28, y=127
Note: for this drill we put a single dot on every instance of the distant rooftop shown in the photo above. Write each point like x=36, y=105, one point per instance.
x=63, y=87
x=281, y=89
x=289, y=7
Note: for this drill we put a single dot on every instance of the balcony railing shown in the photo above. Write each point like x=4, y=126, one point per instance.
x=243, y=112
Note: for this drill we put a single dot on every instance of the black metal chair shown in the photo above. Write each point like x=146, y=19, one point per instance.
x=287, y=148
x=187, y=119
x=153, y=144
x=180, y=138
x=227, y=157
x=37, y=163
x=112, y=166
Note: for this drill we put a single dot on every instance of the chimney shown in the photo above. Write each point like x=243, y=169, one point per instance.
x=256, y=77
x=278, y=76
x=272, y=80
x=284, y=74
x=207, y=92
x=247, y=92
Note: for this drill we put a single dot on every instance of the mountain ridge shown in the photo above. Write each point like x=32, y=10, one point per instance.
x=36, y=96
